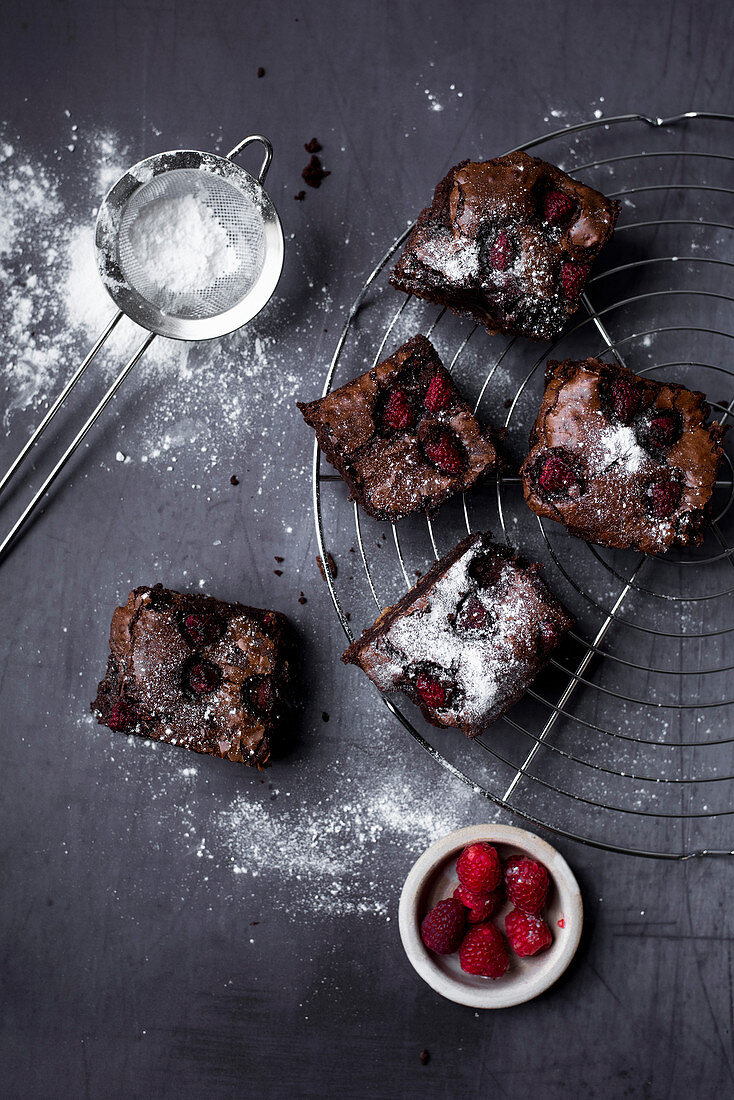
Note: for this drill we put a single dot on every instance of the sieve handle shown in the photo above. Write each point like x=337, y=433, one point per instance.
x=242, y=145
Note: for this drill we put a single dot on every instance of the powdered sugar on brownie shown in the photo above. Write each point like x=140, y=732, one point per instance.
x=478, y=637
x=618, y=445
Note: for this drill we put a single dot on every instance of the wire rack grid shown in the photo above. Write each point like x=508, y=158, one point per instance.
x=633, y=751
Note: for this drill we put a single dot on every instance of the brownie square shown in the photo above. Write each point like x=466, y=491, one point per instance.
x=621, y=460
x=194, y=671
x=401, y=435
x=509, y=242
x=465, y=643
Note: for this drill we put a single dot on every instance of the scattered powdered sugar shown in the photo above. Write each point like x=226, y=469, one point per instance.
x=485, y=662
x=619, y=446
x=203, y=396
x=181, y=244
x=328, y=855
x=457, y=258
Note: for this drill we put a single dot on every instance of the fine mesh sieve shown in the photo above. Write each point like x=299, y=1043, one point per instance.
x=240, y=217
x=239, y=207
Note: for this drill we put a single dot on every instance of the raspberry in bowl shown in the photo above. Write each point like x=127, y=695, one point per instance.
x=521, y=920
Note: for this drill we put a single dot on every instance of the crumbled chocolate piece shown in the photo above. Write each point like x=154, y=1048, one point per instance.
x=302, y=599
x=314, y=173
x=278, y=572
x=313, y=146
x=234, y=480
x=260, y=72
x=300, y=196
x=278, y=558
x=425, y=1057
x=324, y=716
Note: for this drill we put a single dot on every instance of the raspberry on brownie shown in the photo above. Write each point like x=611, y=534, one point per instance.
x=401, y=435
x=194, y=671
x=509, y=242
x=621, y=460
x=465, y=643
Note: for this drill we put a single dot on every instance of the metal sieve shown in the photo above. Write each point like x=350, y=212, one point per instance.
x=239, y=204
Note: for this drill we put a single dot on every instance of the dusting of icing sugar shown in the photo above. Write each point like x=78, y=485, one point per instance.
x=619, y=446
x=457, y=258
x=486, y=663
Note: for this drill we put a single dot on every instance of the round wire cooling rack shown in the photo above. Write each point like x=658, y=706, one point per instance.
x=625, y=742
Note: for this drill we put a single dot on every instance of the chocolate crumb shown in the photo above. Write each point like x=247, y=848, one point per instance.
x=254, y=922
x=300, y=196
x=302, y=598
x=417, y=572
x=508, y=402
x=314, y=172
x=332, y=566
x=347, y=616
x=278, y=559
x=325, y=716
x=313, y=146
x=260, y=72
x=425, y=1057
x=234, y=480
x=278, y=572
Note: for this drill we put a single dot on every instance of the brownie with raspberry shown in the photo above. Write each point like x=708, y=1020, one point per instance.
x=509, y=242
x=466, y=641
x=194, y=671
x=621, y=460
x=401, y=435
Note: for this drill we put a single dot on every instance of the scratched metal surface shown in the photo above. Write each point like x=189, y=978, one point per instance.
x=127, y=966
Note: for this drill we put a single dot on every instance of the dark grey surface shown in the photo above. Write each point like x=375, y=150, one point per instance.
x=128, y=965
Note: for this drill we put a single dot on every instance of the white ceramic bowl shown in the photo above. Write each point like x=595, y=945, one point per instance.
x=433, y=877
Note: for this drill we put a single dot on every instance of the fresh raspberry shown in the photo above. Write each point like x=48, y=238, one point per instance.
x=431, y=691
x=397, y=413
x=483, y=952
x=573, y=277
x=203, y=628
x=558, y=207
x=665, y=498
x=480, y=906
x=258, y=693
x=557, y=474
x=479, y=868
x=526, y=882
x=527, y=934
x=473, y=615
x=443, y=927
x=444, y=453
x=203, y=677
x=122, y=717
x=625, y=398
x=438, y=395
x=499, y=253
x=663, y=430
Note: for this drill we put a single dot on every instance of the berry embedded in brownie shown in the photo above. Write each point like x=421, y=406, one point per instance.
x=509, y=242
x=194, y=671
x=621, y=460
x=465, y=643
x=401, y=435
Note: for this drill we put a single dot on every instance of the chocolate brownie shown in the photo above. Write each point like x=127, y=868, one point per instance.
x=622, y=460
x=509, y=242
x=467, y=640
x=194, y=671
x=401, y=435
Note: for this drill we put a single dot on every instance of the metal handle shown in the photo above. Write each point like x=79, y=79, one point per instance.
x=268, y=153
x=102, y=339
x=30, y=507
